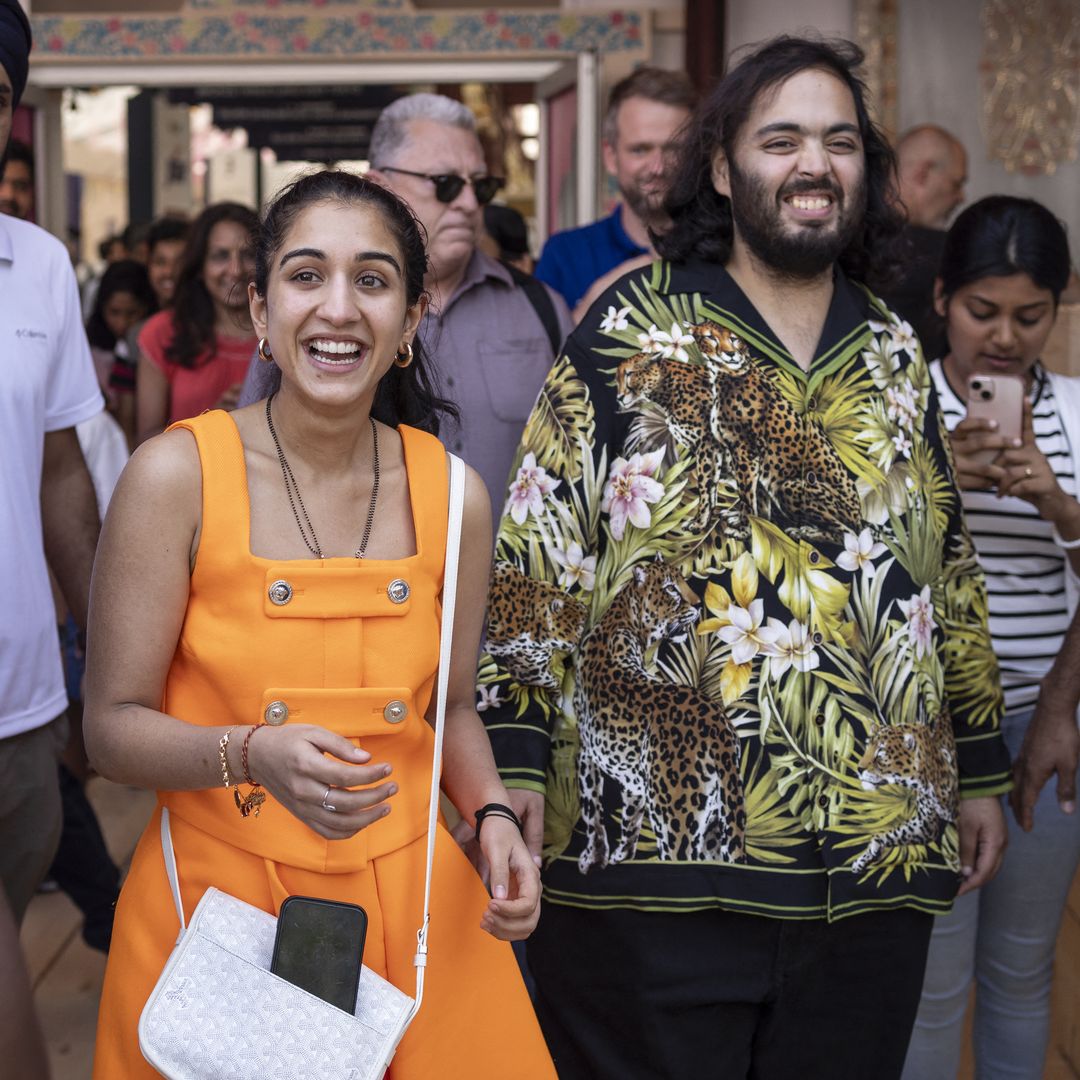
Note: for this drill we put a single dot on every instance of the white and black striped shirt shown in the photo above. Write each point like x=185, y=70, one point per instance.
x=1024, y=568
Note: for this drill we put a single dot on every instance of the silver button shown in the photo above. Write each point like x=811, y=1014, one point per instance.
x=395, y=712
x=280, y=593
x=398, y=591
x=277, y=712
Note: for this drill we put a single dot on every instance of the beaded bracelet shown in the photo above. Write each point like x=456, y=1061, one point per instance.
x=495, y=809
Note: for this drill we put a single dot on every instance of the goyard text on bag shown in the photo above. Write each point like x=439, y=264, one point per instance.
x=218, y=1011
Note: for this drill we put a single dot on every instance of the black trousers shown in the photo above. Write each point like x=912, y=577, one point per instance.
x=83, y=867
x=627, y=995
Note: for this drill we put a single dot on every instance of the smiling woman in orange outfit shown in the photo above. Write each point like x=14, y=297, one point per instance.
x=294, y=550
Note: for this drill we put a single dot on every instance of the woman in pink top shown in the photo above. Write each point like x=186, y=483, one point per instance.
x=194, y=356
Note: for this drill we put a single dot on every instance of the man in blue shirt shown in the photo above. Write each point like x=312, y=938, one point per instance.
x=645, y=114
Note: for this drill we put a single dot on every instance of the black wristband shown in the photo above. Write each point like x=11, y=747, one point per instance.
x=494, y=809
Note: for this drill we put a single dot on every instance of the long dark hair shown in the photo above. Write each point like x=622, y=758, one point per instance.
x=408, y=395
x=1003, y=235
x=123, y=276
x=701, y=217
x=193, y=310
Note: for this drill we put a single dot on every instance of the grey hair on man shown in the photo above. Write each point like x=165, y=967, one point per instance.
x=391, y=129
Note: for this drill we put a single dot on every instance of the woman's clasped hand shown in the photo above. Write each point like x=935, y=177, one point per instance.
x=299, y=763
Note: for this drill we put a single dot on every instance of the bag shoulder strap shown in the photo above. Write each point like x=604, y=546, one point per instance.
x=170, y=869
x=446, y=640
x=542, y=304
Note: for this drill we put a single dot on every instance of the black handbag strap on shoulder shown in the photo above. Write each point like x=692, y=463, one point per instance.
x=542, y=304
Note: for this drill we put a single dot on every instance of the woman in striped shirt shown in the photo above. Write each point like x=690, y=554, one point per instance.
x=1004, y=267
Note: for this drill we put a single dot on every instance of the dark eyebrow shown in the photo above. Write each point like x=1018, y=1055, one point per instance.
x=361, y=256
x=798, y=129
x=1020, y=307
x=301, y=253
x=379, y=256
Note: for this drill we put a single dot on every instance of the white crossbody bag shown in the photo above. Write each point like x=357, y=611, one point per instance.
x=218, y=1011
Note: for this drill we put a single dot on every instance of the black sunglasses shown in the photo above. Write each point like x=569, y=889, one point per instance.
x=448, y=186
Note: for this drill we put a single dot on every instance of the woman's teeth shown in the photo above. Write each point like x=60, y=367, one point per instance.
x=335, y=352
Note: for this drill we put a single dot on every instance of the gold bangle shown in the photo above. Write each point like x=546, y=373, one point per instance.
x=223, y=746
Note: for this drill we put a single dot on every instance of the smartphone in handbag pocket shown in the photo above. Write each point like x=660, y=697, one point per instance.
x=320, y=947
x=1000, y=398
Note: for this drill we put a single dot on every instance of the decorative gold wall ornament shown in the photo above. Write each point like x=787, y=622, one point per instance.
x=876, y=34
x=1030, y=73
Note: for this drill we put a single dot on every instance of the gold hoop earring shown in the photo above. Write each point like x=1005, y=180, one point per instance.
x=265, y=355
x=404, y=355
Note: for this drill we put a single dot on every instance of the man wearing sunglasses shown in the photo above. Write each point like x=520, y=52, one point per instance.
x=492, y=331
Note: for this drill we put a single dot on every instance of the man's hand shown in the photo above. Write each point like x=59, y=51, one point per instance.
x=1051, y=745
x=529, y=807
x=514, y=908
x=69, y=519
x=983, y=838
x=464, y=834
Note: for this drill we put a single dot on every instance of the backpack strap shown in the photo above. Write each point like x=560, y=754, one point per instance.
x=542, y=304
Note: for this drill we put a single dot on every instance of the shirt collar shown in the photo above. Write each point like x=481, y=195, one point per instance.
x=621, y=235
x=846, y=317
x=479, y=269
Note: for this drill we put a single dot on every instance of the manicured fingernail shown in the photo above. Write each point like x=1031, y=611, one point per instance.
x=500, y=892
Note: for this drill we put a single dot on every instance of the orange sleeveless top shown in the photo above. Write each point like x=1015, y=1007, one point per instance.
x=350, y=645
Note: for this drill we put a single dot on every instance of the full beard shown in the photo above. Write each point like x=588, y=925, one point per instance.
x=807, y=252
x=648, y=206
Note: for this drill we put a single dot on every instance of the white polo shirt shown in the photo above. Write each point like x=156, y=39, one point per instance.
x=47, y=383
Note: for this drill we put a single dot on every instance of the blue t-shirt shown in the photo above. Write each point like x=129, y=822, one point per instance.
x=572, y=260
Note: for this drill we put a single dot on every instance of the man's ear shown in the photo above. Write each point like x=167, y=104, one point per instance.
x=721, y=178
x=939, y=297
x=379, y=177
x=257, y=307
x=608, y=152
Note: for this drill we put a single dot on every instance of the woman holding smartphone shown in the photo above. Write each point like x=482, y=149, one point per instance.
x=1003, y=269
x=277, y=690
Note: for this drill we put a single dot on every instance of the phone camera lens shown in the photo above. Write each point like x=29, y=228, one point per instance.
x=985, y=395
